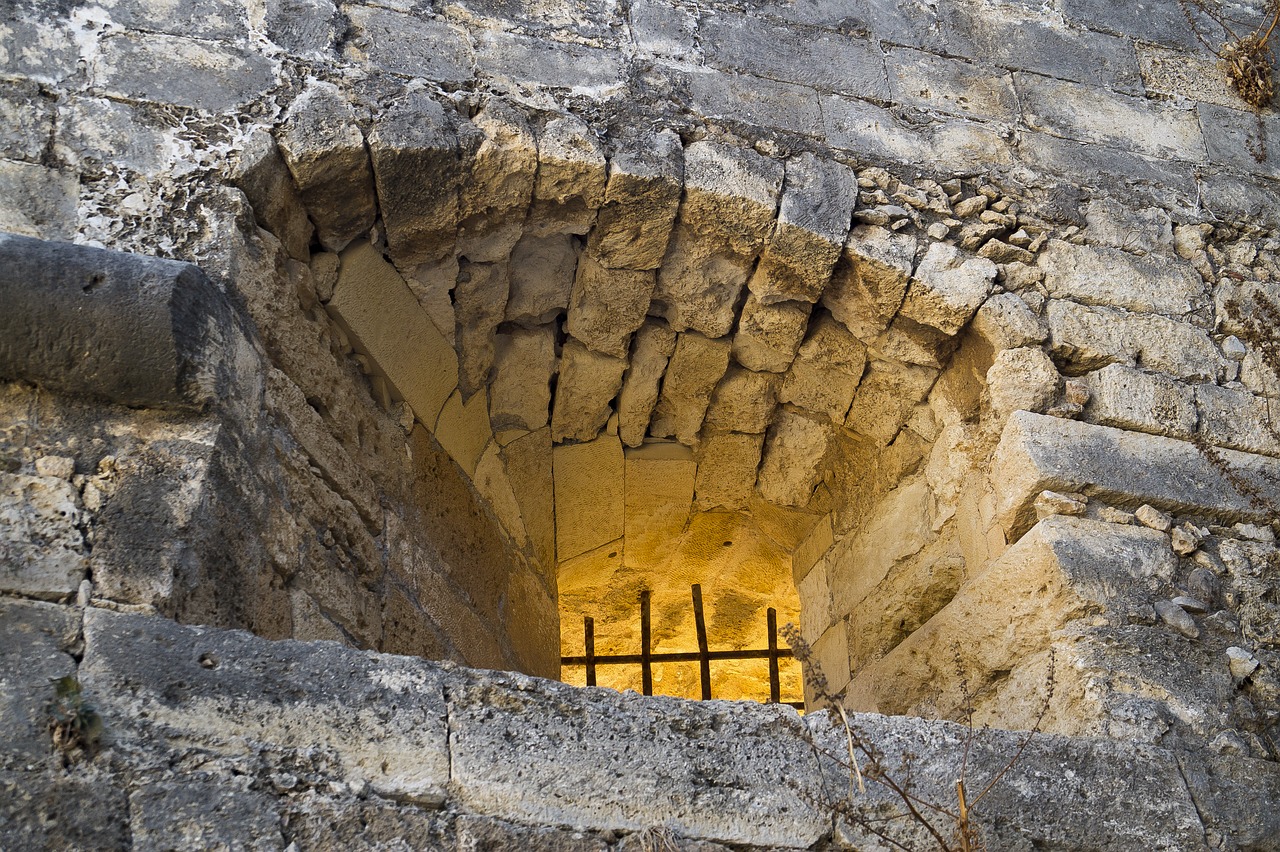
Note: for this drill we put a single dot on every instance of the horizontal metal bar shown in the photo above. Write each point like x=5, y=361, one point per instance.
x=677, y=657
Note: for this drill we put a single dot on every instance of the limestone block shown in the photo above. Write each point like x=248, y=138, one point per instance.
x=659, y=495
x=831, y=652
x=1123, y=469
x=35, y=644
x=910, y=341
x=812, y=549
x=1097, y=275
x=726, y=215
x=1022, y=379
x=148, y=66
x=325, y=153
x=743, y=401
x=652, y=348
x=793, y=458
x=570, y=184
x=885, y=397
x=375, y=307
x=1054, y=503
x=560, y=774
x=607, y=305
x=477, y=834
x=646, y=177
x=813, y=223
x=495, y=487
x=479, y=301
x=463, y=429
x=826, y=371
x=433, y=284
x=727, y=464
x=528, y=465
x=893, y=530
x=62, y=811
x=42, y=551
x=696, y=367
x=768, y=335
x=39, y=202
x=204, y=814
x=260, y=172
x=588, y=383
x=1126, y=398
x=411, y=45
x=152, y=679
x=1006, y=322
x=542, y=273
x=498, y=187
x=1152, y=518
x=1085, y=337
x=871, y=280
x=520, y=394
x=948, y=288
x=588, y=495
x=1237, y=419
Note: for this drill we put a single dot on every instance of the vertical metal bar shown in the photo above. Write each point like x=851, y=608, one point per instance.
x=646, y=667
x=589, y=629
x=704, y=661
x=775, y=681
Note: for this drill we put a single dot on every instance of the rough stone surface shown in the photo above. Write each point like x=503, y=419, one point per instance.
x=793, y=456
x=868, y=287
x=646, y=175
x=948, y=288
x=826, y=370
x=743, y=401
x=654, y=343
x=520, y=396
x=588, y=495
x=607, y=305
x=696, y=367
x=588, y=383
x=769, y=335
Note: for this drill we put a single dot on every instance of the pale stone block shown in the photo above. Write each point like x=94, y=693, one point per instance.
x=768, y=335
x=815, y=604
x=871, y=281
x=1095, y=275
x=520, y=394
x=794, y=454
x=696, y=367
x=646, y=177
x=42, y=551
x=495, y=487
x=909, y=341
x=432, y=284
x=588, y=495
x=831, y=652
x=479, y=300
x=463, y=429
x=570, y=183
x=826, y=371
x=542, y=271
x=528, y=464
x=376, y=309
x=654, y=342
x=607, y=305
x=895, y=529
x=588, y=383
x=813, y=223
x=1237, y=419
x=1006, y=322
x=812, y=548
x=1087, y=337
x=1054, y=503
x=886, y=396
x=744, y=401
x=948, y=288
x=659, y=495
x=1022, y=379
x=726, y=215
x=1144, y=402
x=495, y=193
x=727, y=464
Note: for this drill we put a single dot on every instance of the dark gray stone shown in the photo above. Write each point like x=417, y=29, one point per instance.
x=1160, y=21
x=182, y=71
x=86, y=812
x=104, y=135
x=319, y=823
x=193, y=815
x=34, y=642
x=412, y=45
x=1247, y=199
x=137, y=330
x=57, y=57
x=744, y=99
x=1237, y=138
x=1236, y=797
x=524, y=60
x=261, y=174
x=1098, y=166
x=305, y=27
x=219, y=20
x=26, y=121
x=38, y=202
x=477, y=834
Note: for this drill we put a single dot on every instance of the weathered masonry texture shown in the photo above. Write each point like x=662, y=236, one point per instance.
x=340, y=339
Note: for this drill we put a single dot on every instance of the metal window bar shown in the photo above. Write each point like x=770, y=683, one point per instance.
x=704, y=655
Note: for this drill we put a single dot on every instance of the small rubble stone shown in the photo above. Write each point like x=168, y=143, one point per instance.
x=1112, y=515
x=971, y=206
x=1186, y=539
x=948, y=288
x=1001, y=252
x=59, y=467
x=1076, y=391
x=1177, y=618
x=1191, y=605
x=1255, y=532
x=1202, y=584
x=1234, y=348
x=1241, y=662
x=1153, y=518
x=1050, y=503
x=1006, y=322
x=938, y=231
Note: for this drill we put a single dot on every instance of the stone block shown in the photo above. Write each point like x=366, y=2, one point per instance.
x=463, y=429
x=659, y=496
x=663, y=30
x=963, y=89
x=726, y=215
x=822, y=60
x=754, y=101
x=1147, y=20
x=1101, y=117
x=888, y=392
x=1122, y=469
x=1094, y=275
x=1085, y=338
x=39, y=202
x=195, y=814
x=317, y=820
x=433, y=285
x=376, y=308
x=913, y=343
x=871, y=281
x=181, y=71
x=744, y=401
x=479, y=303
x=1195, y=77
x=531, y=620
x=894, y=530
x=652, y=348
x=309, y=28
x=561, y=773
x=260, y=172
x=516, y=63
x=478, y=834
x=1126, y=398
x=325, y=152
x=542, y=271
x=1225, y=788
x=214, y=20
x=414, y=146
x=571, y=180
x=826, y=371
x=813, y=223
x=154, y=681
x=27, y=121
x=35, y=645
x=1006, y=322
x=1230, y=417
x=520, y=394
x=498, y=187
x=696, y=367
x=948, y=288
x=769, y=335
x=528, y=464
x=412, y=45
x=607, y=305
x=646, y=177
x=815, y=605
x=794, y=456
x=1232, y=135
x=873, y=131
x=588, y=495
x=588, y=383
x=58, y=55
x=1022, y=379
x=727, y=464
x=1117, y=170
x=831, y=653
x=40, y=810
x=812, y=549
